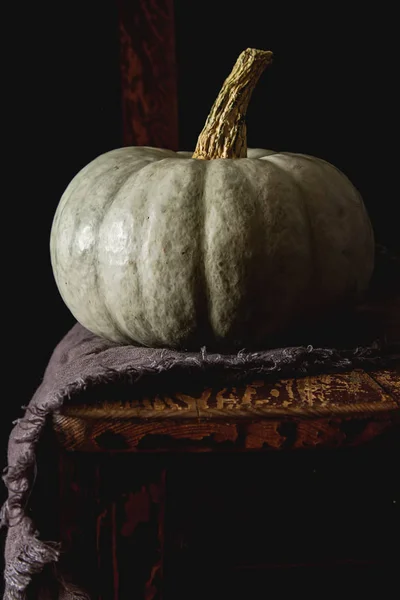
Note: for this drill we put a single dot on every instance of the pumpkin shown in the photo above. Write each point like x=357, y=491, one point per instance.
x=224, y=247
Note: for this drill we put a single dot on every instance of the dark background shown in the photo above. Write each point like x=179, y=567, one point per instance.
x=330, y=92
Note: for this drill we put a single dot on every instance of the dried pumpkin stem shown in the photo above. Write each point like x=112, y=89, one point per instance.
x=224, y=134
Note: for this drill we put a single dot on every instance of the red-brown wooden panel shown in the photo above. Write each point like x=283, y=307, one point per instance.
x=148, y=73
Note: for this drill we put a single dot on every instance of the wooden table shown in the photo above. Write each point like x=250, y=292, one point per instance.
x=266, y=488
x=131, y=483
x=326, y=410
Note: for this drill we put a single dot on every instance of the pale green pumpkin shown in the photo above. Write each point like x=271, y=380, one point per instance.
x=166, y=249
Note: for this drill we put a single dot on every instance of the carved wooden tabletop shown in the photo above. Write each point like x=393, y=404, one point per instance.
x=325, y=410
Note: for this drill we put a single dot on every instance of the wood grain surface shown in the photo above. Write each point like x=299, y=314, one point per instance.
x=341, y=409
x=112, y=525
x=148, y=73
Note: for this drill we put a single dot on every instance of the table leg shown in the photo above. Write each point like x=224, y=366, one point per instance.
x=112, y=524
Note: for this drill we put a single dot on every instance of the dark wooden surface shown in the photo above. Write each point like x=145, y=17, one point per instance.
x=251, y=525
x=112, y=525
x=224, y=526
x=326, y=410
x=148, y=73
